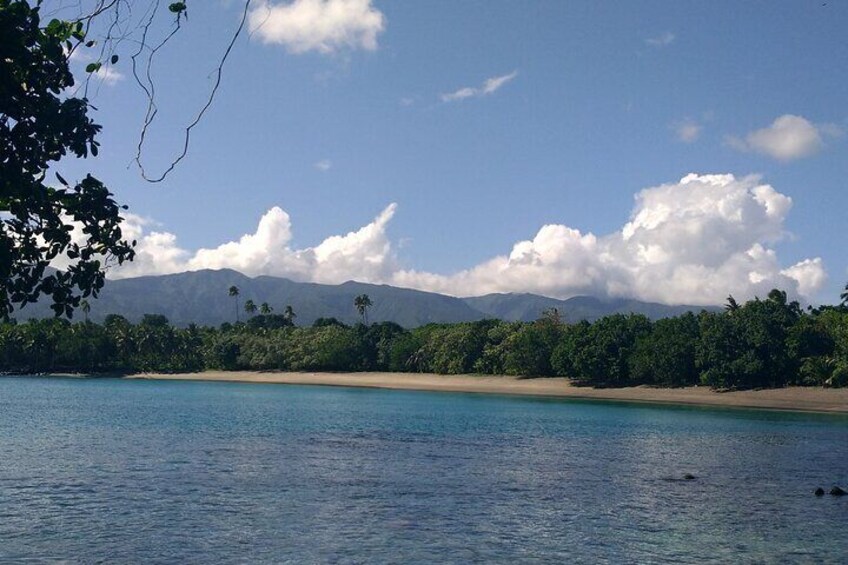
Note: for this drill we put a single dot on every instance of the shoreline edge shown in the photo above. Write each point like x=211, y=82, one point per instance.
x=795, y=399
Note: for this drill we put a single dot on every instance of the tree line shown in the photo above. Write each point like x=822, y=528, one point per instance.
x=763, y=343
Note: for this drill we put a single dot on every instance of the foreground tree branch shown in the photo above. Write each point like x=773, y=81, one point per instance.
x=149, y=90
x=43, y=222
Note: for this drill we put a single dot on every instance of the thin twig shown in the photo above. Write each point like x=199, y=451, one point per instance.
x=219, y=73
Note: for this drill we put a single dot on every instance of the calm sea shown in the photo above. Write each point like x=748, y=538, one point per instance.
x=129, y=471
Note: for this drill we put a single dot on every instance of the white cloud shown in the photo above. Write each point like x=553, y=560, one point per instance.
x=662, y=40
x=788, y=137
x=687, y=131
x=365, y=254
x=460, y=94
x=324, y=165
x=156, y=253
x=693, y=241
x=494, y=83
x=810, y=275
x=489, y=86
x=108, y=75
x=325, y=26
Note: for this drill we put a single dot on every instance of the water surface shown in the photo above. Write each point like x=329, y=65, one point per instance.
x=95, y=470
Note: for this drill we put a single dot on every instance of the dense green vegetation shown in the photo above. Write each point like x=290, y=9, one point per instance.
x=41, y=123
x=763, y=343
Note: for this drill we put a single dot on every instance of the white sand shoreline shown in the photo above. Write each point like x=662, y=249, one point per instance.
x=799, y=399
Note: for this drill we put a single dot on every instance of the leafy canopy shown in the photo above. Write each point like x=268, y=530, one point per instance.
x=39, y=125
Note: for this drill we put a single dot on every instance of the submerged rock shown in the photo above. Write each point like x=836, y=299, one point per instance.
x=836, y=491
x=679, y=478
x=819, y=492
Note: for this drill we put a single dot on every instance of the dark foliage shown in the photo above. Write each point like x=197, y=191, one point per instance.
x=39, y=125
x=269, y=322
x=762, y=343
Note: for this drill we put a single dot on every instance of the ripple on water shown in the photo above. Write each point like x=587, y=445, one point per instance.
x=167, y=472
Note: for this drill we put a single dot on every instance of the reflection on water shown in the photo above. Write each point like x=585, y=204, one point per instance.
x=168, y=471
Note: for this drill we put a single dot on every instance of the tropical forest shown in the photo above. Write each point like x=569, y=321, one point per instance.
x=763, y=343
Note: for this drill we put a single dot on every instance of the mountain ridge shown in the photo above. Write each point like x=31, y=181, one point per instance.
x=201, y=297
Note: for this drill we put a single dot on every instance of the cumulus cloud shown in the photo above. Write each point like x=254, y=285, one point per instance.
x=156, y=251
x=662, y=40
x=687, y=131
x=324, y=165
x=365, y=254
x=788, y=137
x=325, y=26
x=489, y=86
x=693, y=241
x=810, y=275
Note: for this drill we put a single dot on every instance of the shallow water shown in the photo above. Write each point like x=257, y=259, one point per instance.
x=94, y=470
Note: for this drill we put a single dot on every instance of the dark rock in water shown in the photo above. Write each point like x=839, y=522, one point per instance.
x=819, y=491
x=679, y=478
x=836, y=491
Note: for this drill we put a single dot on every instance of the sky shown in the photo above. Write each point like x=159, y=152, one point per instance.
x=674, y=151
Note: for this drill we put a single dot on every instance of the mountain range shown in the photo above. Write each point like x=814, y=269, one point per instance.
x=201, y=297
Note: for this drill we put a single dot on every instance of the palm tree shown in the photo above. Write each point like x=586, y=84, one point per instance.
x=234, y=292
x=732, y=305
x=121, y=332
x=250, y=307
x=86, y=308
x=289, y=314
x=844, y=296
x=265, y=309
x=362, y=302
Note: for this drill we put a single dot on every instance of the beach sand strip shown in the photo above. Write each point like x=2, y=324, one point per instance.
x=803, y=399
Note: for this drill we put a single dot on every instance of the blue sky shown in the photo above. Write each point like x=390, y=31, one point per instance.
x=484, y=122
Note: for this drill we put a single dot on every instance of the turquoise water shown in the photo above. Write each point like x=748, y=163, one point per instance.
x=94, y=470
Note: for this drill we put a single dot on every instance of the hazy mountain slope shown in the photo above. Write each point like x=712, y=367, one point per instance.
x=201, y=297
x=528, y=307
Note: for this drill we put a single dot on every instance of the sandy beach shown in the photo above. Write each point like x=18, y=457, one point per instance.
x=803, y=399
